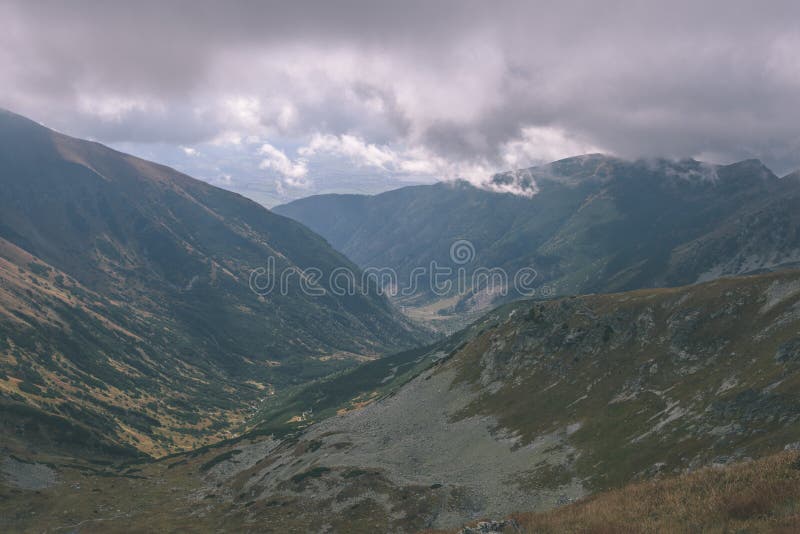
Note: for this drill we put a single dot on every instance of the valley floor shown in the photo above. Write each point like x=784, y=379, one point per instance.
x=754, y=496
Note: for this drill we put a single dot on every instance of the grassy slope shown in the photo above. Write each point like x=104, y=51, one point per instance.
x=758, y=496
x=76, y=367
x=355, y=388
x=125, y=304
x=652, y=379
x=630, y=387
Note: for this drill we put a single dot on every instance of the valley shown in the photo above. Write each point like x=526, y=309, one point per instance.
x=595, y=224
x=536, y=405
x=127, y=320
x=366, y=267
x=147, y=383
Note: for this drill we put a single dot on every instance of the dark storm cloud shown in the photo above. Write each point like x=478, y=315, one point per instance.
x=462, y=80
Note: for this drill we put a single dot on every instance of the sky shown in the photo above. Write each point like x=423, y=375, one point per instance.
x=292, y=98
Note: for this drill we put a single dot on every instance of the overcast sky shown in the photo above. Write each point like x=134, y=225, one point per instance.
x=432, y=89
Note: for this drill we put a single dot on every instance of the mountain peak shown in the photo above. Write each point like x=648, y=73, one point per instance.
x=748, y=169
x=602, y=168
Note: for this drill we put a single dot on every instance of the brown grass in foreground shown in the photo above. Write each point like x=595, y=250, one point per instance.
x=758, y=496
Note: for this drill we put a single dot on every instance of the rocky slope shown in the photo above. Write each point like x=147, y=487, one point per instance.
x=536, y=405
x=126, y=310
x=592, y=224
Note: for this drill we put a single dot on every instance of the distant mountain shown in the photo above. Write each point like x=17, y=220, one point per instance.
x=331, y=180
x=534, y=406
x=586, y=224
x=125, y=303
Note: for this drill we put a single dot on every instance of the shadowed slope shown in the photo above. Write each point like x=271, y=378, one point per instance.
x=126, y=301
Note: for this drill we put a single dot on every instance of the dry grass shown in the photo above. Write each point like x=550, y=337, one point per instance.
x=759, y=496
x=755, y=496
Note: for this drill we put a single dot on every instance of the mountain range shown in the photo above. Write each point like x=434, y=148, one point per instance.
x=148, y=383
x=586, y=224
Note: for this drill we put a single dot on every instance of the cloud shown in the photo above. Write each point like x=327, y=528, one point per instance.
x=536, y=145
x=294, y=173
x=457, y=87
x=359, y=151
x=541, y=144
x=403, y=161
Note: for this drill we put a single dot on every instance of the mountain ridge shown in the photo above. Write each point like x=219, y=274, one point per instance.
x=595, y=224
x=134, y=286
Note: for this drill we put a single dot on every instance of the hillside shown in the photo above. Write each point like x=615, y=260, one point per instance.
x=594, y=224
x=759, y=496
x=126, y=307
x=535, y=406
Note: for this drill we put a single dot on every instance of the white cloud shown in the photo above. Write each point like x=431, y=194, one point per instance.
x=405, y=162
x=542, y=144
x=294, y=173
x=356, y=149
